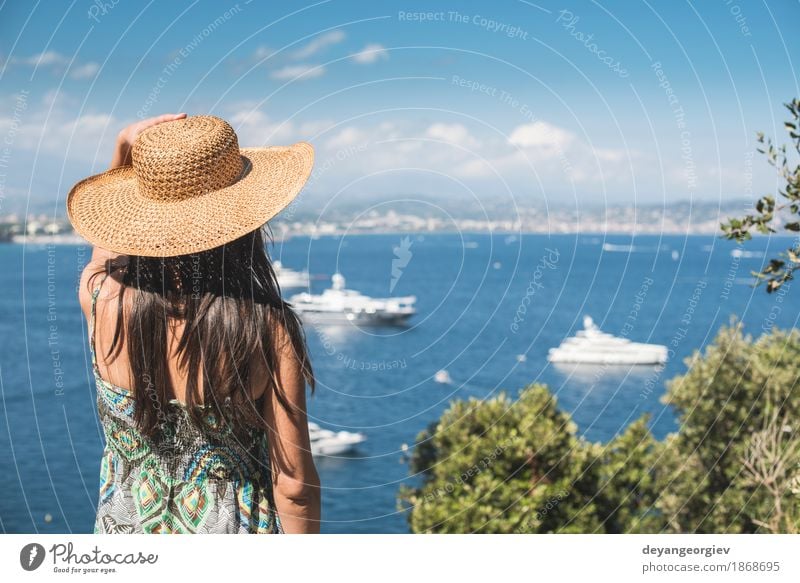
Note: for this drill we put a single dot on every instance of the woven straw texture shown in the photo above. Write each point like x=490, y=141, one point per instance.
x=190, y=188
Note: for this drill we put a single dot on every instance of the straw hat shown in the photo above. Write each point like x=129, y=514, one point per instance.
x=190, y=188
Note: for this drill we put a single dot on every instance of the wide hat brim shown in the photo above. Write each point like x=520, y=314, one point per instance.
x=109, y=211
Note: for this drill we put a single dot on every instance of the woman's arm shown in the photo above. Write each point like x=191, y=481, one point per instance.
x=125, y=139
x=295, y=479
x=122, y=157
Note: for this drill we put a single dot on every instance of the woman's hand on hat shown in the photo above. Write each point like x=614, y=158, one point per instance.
x=125, y=139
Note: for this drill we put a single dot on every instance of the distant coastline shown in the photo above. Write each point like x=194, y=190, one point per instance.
x=60, y=239
x=680, y=218
x=76, y=240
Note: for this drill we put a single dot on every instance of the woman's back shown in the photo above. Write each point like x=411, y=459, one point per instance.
x=189, y=477
x=118, y=370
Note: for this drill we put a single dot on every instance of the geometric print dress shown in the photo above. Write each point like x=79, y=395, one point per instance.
x=190, y=479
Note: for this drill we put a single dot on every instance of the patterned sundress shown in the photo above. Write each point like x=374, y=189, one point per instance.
x=191, y=479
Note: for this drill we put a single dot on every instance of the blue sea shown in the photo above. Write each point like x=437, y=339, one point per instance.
x=490, y=307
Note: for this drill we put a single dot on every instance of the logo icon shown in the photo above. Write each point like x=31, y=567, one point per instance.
x=31, y=556
x=402, y=255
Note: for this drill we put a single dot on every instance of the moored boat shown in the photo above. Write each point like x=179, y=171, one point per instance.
x=593, y=346
x=326, y=442
x=338, y=305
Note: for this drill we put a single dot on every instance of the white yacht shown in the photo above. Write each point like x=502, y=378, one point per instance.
x=289, y=278
x=327, y=442
x=338, y=305
x=592, y=346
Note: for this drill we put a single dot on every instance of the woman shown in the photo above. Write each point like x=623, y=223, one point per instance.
x=200, y=366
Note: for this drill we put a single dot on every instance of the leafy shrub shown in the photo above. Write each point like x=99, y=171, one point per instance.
x=519, y=466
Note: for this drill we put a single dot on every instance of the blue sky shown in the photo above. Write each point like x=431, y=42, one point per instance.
x=568, y=103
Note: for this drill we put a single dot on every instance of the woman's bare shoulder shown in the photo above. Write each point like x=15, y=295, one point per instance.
x=92, y=271
x=85, y=284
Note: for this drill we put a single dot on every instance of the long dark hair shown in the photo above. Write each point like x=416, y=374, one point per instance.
x=230, y=301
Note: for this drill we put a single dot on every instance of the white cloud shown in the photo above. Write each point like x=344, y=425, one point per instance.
x=45, y=59
x=254, y=128
x=453, y=133
x=86, y=71
x=310, y=129
x=371, y=53
x=298, y=72
x=245, y=117
x=318, y=44
x=475, y=168
x=57, y=62
x=611, y=154
x=52, y=96
x=262, y=53
x=408, y=146
x=540, y=134
x=91, y=125
x=348, y=136
x=83, y=138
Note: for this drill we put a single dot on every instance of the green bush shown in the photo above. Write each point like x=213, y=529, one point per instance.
x=518, y=466
x=733, y=396
x=504, y=466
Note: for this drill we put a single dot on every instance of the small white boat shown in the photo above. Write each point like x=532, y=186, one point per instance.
x=327, y=442
x=338, y=305
x=592, y=346
x=610, y=247
x=289, y=278
x=443, y=377
x=741, y=254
